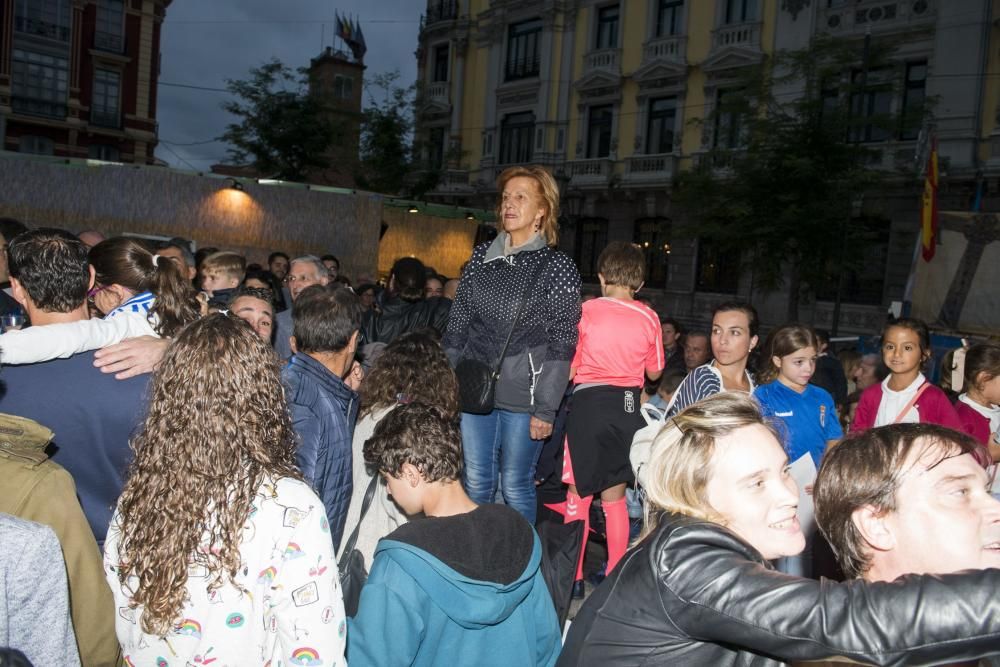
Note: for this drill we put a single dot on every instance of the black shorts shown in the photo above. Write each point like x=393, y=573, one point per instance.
x=599, y=430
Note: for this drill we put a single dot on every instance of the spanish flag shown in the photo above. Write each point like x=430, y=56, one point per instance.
x=929, y=209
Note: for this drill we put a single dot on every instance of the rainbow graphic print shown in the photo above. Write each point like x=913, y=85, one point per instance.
x=189, y=628
x=306, y=656
x=293, y=551
x=267, y=576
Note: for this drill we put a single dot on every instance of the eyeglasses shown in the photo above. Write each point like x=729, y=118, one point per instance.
x=94, y=291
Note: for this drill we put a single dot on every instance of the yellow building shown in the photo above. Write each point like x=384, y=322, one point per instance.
x=616, y=96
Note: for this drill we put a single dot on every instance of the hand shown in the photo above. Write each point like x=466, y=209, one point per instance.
x=131, y=357
x=354, y=376
x=539, y=429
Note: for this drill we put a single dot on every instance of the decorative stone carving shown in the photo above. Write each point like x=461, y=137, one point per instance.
x=793, y=7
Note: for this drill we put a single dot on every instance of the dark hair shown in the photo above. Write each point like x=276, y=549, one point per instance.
x=743, y=307
x=823, y=336
x=786, y=339
x=267, y=278
x=256, y=292
x=51, y=265
x=672, y=379
x=425, y=436
x=866, y=469
x=129, y=263
x=410, y=278
x=325, y=318
x=331, y=258
x=919, y=327
x=980, y=359
x=678, y=327
x=622, y=264
x=202, y=253
x=275, y=255
x=9, y=228
x=412, y=367
x=361, y=289
x=184, y=246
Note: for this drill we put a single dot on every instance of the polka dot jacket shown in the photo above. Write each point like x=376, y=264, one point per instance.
x=535, y=370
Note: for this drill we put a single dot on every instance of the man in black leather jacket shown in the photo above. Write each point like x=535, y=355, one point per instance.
x=696, y=593
x=405, y=308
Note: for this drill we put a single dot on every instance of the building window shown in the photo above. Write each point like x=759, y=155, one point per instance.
x=668, y=17
x=864, y=281
x=516, y=134
x=36, y=145
x=343, y=87
x=592, y=237
x=523, y=59
x=728, y=132
x=109, y=34
x=660, y=129
x=435, y=147
x=39, y=83
x=440, y=63
x=740, y=11
x=43, y=18
x=871, y=107
x=103, y=152
x=914, y=94
x=599, y=121
x=653, y=236
x=718, y=268
x=104, y=104
x=607, y=27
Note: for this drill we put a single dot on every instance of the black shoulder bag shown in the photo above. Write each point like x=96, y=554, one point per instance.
x=477, y=380
x=353, y=573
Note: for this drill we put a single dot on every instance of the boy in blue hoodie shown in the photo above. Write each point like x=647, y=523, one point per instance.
x=463, y=584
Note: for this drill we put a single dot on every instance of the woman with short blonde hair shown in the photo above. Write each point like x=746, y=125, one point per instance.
x=530, y=347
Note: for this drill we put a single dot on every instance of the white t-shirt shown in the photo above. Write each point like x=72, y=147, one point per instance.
x=893, y=403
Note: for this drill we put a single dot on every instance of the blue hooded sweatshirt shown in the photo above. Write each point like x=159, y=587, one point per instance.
x=487, y=605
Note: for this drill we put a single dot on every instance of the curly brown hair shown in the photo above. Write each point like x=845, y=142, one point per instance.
x=217, y=428
x=411, y=367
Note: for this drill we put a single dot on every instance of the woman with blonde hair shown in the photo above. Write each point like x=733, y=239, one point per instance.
x=699, y=589
x=514, y=318
x=218, y=550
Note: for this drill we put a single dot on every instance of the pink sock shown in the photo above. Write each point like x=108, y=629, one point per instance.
x=616, y=520
x=578, y=509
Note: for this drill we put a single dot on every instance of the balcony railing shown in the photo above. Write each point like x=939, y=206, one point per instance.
x=593, y=171
x=877, y=15
x=746, y=35
x=441, y=10
x=665, y=48
x=657, y=167
x=603, y=59
x=437, y=91
x=106, y=41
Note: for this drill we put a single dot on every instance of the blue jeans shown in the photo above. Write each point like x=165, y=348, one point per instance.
x=500, y=444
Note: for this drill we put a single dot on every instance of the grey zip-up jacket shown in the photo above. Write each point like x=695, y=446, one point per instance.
x=535, y=370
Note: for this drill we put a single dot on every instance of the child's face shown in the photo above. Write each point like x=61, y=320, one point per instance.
x=797, y=368
x=901, y=350
x=212, y=281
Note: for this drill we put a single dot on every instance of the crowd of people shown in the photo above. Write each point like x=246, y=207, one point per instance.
x=213, y=461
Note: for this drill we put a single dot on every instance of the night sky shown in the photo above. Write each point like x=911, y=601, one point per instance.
x=205, y=43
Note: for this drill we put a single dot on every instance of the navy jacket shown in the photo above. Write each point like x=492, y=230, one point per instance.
x=93, y=416
x=323, y=413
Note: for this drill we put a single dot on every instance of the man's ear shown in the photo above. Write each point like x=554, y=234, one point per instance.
x=292, y=342
x=19, y=293
x=93, y=277
x=874, y=528
x=411, y=474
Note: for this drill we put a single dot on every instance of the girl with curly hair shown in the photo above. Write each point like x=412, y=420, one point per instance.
x=140, y=293
x=218, y=549
x=412, y=368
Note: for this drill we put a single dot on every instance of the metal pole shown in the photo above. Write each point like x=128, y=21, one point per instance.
x=846, y=225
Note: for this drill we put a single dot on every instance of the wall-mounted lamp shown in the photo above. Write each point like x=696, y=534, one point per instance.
x=413, y=209
x=469, y=216
x=235, y=185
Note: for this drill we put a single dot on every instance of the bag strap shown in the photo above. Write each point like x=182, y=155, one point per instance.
x=913, y=401
x=353, y=539
x=520, y=309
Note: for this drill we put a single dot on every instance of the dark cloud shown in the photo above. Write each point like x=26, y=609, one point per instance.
x=205, y=43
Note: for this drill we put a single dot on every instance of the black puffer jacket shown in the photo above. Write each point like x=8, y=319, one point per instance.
x=693, y=593
x=399, y=317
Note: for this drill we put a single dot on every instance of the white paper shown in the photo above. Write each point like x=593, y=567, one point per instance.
x=803, y=471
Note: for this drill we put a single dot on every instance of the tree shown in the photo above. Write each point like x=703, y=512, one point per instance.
x=785, y=195
x=386, y=135
x=282, y=130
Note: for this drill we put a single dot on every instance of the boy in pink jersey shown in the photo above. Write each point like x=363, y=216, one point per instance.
x=621, y=341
